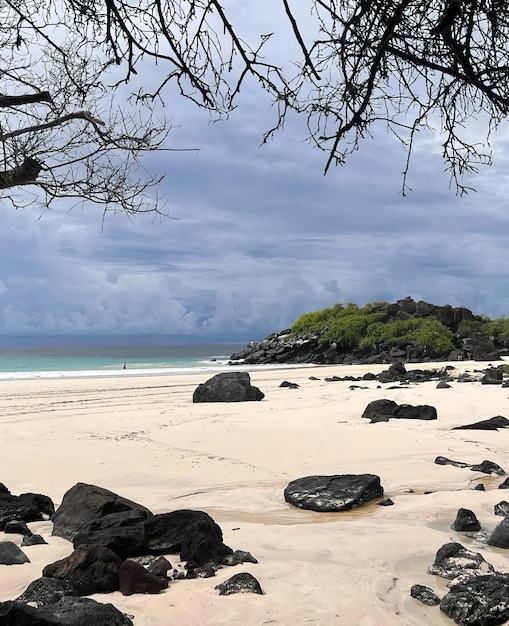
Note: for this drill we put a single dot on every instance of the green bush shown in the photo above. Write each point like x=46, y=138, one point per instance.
x=498, y=327
x=353, y=327
x=433, y=336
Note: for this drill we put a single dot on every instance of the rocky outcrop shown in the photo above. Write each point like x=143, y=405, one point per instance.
x=284, y=347
x=339, y=492
x=228, y=387
x=477, y=593
x=106, y=530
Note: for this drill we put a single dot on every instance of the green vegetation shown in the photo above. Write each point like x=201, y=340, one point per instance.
x=350, y=327
x=498, y=328
x=343, y=325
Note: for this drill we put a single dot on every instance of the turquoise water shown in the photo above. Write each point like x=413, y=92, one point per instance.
x=47, y=361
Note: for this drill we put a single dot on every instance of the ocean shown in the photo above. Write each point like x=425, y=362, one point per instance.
x=59, y=357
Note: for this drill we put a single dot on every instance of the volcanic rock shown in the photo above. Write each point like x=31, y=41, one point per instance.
x=68, y=611
x=228, y=387
x=240, y=583
x=89, y=569
x=10, y=554
x=338, y=492
x=85, y=503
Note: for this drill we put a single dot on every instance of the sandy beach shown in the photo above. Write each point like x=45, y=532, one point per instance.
x=144, y=439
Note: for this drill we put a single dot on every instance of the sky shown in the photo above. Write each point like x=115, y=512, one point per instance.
x=259, y=237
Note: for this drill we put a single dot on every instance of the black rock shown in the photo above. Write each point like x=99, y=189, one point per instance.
x=453, y=560
x=46, y=590
x=290, y=385
x=69, y=611
x=502, y=508
x=395, y=372
x=478, y=601
x=505, y=484
x=18, y=527
x=134, y=578
x=28, y=507
x=386, y=502
x=89, y=569
x=480, y=487
x=167, y=532
x=384, y=409
x=201, y=571
x=443, y=385
x=380, y=407
x=10, y=554
x=488, y=467
x=132, y=533
x=83, y=504
x=493, y=423
x=202, y=546
x=159, y=566
x=443, y=460
x=425, y=595
x=238, y=557
x=123, y=532
x=339, y=492
x=466, y=521
x=240, y=583
x=418, y=412
x=228, y=387
x=500, y=536
x=33, y=540
x=492, y=376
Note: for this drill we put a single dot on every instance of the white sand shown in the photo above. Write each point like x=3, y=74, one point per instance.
x=144, y=439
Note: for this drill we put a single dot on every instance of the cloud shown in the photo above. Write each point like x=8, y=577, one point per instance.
x=260, y=237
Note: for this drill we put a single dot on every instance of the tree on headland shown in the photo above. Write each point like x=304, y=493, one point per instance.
x=345, y=66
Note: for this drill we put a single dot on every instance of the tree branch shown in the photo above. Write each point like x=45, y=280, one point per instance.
x=84, y=115
x=30, y=98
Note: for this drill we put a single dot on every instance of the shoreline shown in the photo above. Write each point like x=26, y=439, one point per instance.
x=47, y=375
x=144, y=439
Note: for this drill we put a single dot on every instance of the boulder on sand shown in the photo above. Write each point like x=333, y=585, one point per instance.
x=228, y=387
x=339, y=492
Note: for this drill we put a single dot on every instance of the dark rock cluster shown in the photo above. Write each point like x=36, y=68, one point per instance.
x=478, y=594
x=118, y=546
x=383, y=410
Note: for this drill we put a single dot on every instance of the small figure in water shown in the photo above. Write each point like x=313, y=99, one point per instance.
x=125, y=365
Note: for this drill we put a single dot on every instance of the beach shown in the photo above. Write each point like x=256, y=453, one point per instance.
x=143, y=438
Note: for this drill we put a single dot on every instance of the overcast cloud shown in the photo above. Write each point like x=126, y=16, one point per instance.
x=260, y=237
